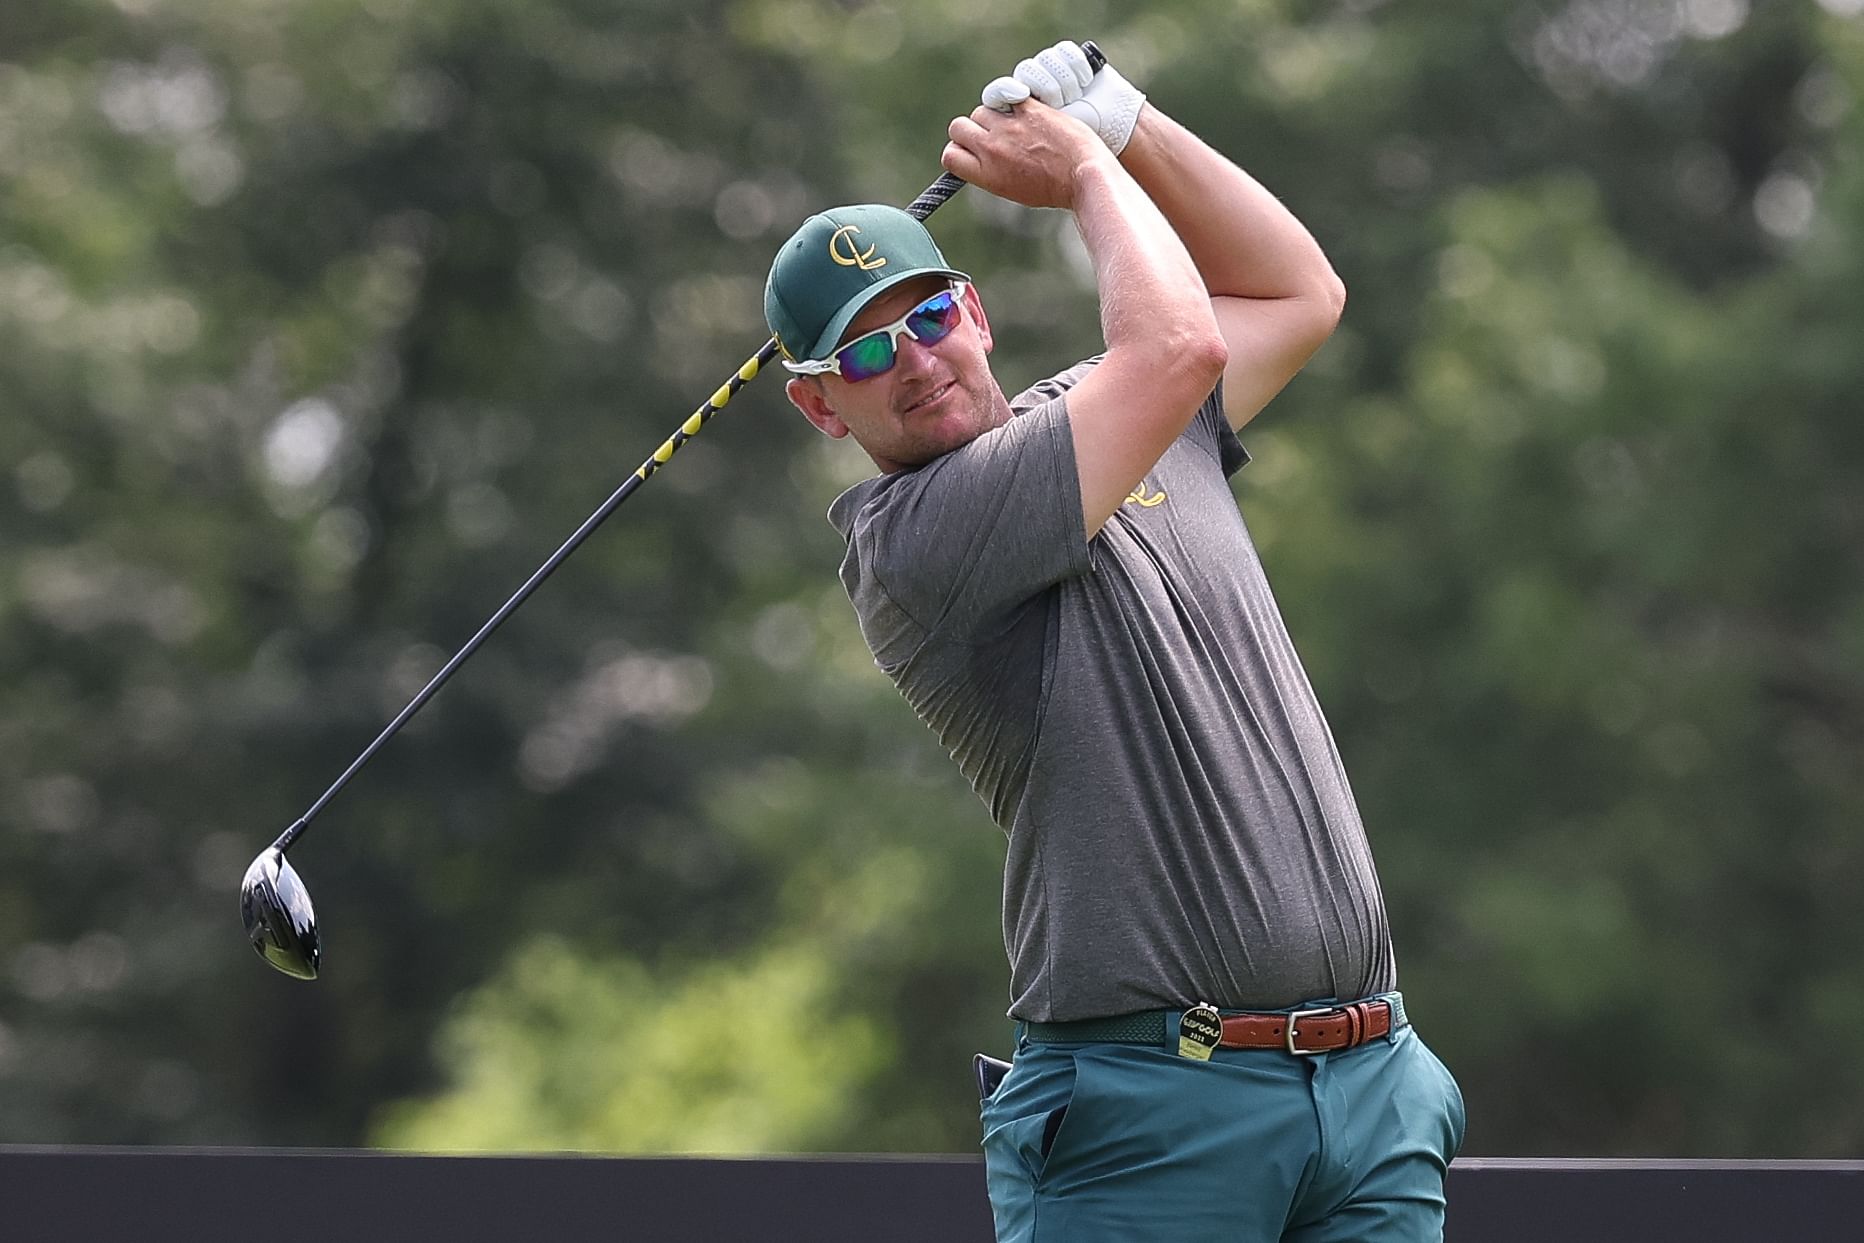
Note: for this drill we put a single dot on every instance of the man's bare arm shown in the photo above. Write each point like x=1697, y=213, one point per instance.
x=1275, y=295
x=1165, y=350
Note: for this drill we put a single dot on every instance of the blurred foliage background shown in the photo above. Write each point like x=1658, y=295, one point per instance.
x=323, y=322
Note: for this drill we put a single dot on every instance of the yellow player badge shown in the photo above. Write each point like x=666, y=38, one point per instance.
x=1199, y=1032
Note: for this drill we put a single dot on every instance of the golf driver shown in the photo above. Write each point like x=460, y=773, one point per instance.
x=273, y=902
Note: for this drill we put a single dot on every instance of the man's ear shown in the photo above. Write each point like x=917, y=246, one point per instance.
x=807, y=397
x=974, y=306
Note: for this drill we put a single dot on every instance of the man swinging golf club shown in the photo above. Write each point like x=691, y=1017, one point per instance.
x=1209, y=1043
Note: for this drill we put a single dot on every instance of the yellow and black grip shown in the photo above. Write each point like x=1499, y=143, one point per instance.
x=712, y=405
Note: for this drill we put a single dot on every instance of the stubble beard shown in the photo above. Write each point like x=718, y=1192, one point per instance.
x=984, y=409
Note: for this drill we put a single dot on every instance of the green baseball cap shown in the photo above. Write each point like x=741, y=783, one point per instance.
x=835, y=264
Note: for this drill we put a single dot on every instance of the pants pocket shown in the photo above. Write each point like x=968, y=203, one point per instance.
x=1050, y=1130
x=1025, y=1118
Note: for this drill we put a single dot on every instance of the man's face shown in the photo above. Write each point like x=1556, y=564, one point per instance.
x=935, y=399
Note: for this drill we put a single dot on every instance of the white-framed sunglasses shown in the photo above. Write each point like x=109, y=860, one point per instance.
x=873, y=353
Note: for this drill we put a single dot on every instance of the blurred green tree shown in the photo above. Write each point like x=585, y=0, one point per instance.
x=321, y=324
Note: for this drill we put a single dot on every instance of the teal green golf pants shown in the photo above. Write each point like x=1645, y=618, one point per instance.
x=1089, y=1142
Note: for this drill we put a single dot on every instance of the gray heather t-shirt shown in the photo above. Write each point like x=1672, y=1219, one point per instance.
x=1133, y=713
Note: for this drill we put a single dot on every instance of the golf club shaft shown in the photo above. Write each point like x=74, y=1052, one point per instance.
x=930, y=200
x=935, y=196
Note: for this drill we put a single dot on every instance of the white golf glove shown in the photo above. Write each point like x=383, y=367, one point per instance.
x=1060, y=77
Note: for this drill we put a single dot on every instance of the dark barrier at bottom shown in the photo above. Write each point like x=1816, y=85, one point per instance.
x=110, y=1195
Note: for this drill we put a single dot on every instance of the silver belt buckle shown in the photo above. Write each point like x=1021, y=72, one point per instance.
x=1294, y=1017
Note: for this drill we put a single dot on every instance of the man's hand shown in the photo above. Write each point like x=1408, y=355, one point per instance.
x=1032, y=155
x=1164, y=350
x=1061, y=77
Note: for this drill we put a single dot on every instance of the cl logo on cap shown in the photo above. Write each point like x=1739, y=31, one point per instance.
x=853, y=257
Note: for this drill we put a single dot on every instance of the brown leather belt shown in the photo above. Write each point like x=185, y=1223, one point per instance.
x=1309, y=1031
x=1299, y=1032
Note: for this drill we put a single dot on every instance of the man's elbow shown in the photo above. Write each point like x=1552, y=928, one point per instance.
x=1181, y=362
x=1332, y=299
x=1202, y=358
x=1316, y=313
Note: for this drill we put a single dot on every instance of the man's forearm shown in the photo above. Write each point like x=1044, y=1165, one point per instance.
x=1244, y=242
x=1149, y=285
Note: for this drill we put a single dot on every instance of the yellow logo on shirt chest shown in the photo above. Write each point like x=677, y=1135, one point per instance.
x=1145, y=499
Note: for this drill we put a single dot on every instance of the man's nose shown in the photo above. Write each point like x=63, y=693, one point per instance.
x=910, y=356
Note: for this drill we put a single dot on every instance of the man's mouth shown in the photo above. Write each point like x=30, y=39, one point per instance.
x=930, y=397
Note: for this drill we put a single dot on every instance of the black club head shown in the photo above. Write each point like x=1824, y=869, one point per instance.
x=278, y=915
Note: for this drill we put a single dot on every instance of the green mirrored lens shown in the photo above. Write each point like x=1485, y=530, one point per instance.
x=867, y=357
x=930, y=322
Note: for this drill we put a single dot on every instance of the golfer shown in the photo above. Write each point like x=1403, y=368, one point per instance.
x=1210, y=1044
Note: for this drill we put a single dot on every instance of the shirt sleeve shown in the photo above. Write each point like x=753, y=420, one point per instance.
x=951, y=547
x=1212, y=430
